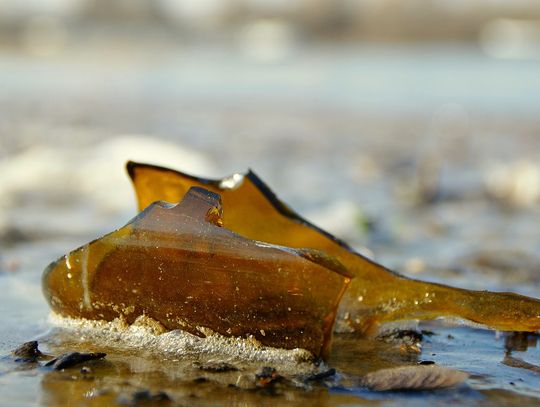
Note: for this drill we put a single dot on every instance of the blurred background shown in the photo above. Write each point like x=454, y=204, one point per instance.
x=408, y=128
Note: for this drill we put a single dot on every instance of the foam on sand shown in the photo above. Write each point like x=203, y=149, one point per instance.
x=149, y=335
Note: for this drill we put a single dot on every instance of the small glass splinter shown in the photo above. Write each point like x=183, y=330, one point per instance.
x=179, y=266
x=375, y=294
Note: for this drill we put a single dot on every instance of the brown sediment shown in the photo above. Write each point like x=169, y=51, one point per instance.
x=376, y=294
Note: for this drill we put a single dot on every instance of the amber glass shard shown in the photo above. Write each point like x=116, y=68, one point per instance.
x=177, y=265
x=375, y=294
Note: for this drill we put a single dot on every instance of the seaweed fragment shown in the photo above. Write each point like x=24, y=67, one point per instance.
x=177, y=265
x=520, y=363
x=376, y=294
x=72, y=359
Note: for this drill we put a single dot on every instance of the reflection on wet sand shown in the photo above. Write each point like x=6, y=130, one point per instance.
x=130, y=375
x=126, y=378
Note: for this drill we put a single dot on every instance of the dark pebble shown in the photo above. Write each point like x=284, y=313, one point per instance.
x=267, y=376
x=426, y=362
x=321, y=376
x=27, y=352
x=406, y=336
x=217, y=367
x=74, y=358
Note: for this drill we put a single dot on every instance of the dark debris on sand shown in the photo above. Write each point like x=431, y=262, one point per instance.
x=321, y=376
x=267, y=376
x=216, y=367
x=72, y=359
x=28, y=352
x=402, y=336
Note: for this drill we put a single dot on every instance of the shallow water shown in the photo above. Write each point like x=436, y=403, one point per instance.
x=424, y=191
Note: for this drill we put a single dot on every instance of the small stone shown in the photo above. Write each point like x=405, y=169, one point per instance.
x=27, y=352
x=267, y=376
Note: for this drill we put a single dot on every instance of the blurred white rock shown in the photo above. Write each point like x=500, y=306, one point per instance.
x=80, y=182
x=515, y=184
x=104, y=175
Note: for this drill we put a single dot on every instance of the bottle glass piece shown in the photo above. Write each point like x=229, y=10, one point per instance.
x=177, y=265
x=375, y=294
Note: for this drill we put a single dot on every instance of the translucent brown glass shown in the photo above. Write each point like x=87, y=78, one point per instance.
x=178, y=265
x=375, y=294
